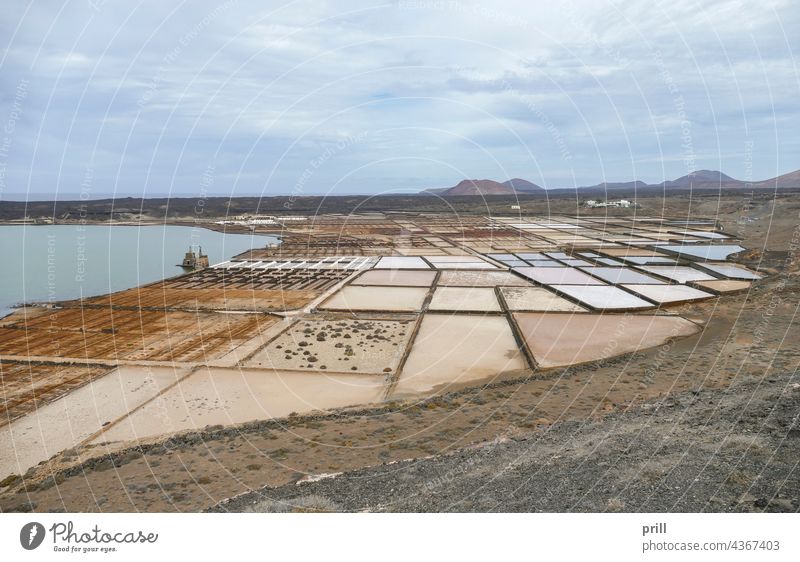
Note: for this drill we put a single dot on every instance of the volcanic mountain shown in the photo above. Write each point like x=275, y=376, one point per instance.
x=699, y=179
x=487, y=187
x=704, y=178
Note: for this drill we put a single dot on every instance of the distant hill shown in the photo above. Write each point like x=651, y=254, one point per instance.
x=486, y=187
x=523, y=186
x=704, y=178
x=699, y=179
x=473, y=187
x=792, y=179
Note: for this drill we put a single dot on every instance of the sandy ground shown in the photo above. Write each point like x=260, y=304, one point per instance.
x=337, y=344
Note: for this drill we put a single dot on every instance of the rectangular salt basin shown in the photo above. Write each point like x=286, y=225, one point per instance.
x=74, y=417
x=648, y=260
x=480, y=279
x=213, y=396
x=627, y=252
x=531, y=256
x=395, y=299
x=704, y=252
x=731, y=271
x=557, y=275
x=545, y=263
x=537, y=299
x=702, y=234
x=340, y=345
x=678, y=273
x=396, y=277
x=575, y=263
x=454, y=259
x=668, y=294
x=723, y=286
x=610, y=261
x=557, y=340
x=604, y=297
x=465, y=299
x=458, y=349
x=401, y=262
x=617, y=275
x=559, y=255
x=466, y=265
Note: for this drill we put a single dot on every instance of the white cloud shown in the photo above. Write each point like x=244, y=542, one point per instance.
x=483, y=88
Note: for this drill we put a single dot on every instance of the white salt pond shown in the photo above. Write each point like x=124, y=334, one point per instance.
x=557, y=276
x=731, y=271
x=678, y=273
x=621, y=275
x=401, y=262
x=668, y=294
x=603, y=297
x=720, y=252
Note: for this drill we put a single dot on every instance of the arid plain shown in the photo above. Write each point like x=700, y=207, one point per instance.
x=432, y=342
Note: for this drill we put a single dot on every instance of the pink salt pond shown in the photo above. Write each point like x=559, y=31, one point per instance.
x=453, y=350
x=557, y=340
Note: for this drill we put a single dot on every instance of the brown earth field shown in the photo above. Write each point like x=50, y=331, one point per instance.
x=710, y=422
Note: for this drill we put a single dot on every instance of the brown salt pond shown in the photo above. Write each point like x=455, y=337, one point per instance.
x=362, y=346
x=75, y=417
x=212, y=396
x=393, y=299
x=458, y=349
x=465, y=299
x=481, y=279
x=396, y=277
x=557, y=340
x=537, y=299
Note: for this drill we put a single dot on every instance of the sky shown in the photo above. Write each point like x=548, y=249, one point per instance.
x=265, y=98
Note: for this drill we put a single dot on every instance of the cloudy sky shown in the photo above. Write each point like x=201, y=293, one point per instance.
x=313, y=96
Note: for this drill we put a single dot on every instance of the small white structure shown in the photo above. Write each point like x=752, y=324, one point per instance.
x=622, y=203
